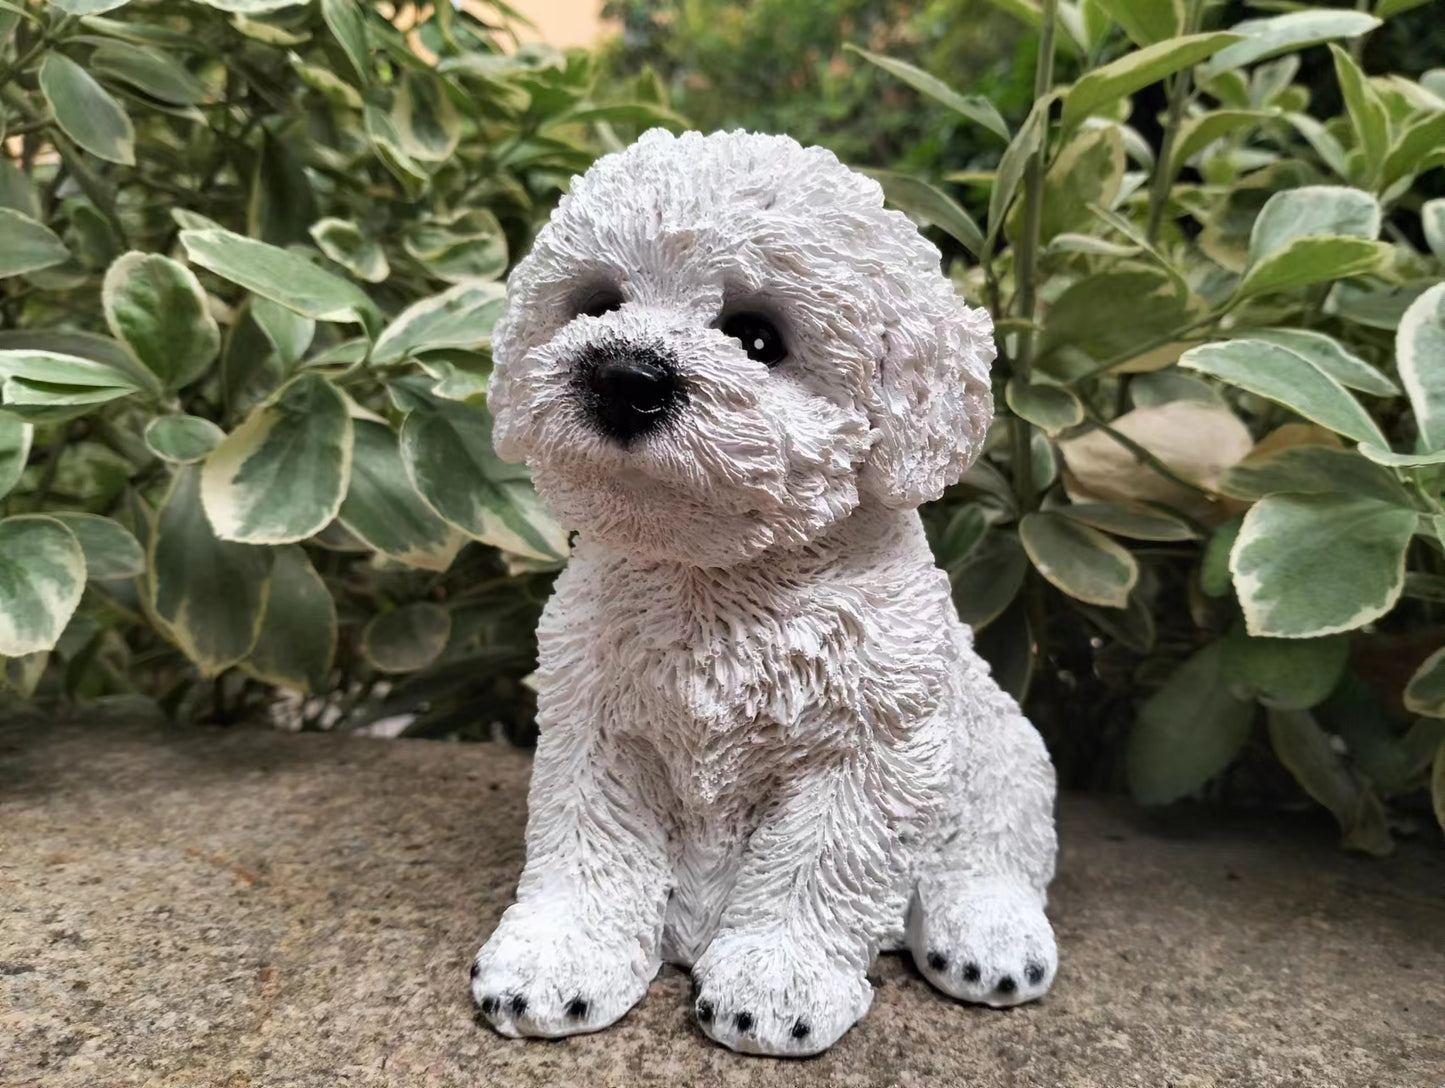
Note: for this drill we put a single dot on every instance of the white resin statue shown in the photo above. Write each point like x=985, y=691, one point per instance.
x=768, y=749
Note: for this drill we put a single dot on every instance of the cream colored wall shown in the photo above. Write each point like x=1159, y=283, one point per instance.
x=562, y=23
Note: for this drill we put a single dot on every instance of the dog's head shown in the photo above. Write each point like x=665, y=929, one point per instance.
x=723, y=344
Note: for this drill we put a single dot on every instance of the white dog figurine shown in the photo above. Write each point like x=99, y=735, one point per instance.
x=768, y=749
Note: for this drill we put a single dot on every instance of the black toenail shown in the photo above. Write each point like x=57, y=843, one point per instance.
x=1007, y=985
x=476, y=969
x=704, y=1011
x=577, y=1008
x=744, y=1021
x=489, y=1005
x=1035, y=974
x=519, y=1005
x=971, y=972
x=937, y=960
x=801, y=1029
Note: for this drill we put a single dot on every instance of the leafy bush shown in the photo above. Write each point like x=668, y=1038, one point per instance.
x=250, y=253
x=1218, y=474
x=779, y=66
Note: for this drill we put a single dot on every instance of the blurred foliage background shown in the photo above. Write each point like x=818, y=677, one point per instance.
x=251, y=252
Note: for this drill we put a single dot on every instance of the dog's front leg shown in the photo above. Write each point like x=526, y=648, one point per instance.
x=785, y=973
x=580, y=945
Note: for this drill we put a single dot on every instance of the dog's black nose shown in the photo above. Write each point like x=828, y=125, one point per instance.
x=630, y=394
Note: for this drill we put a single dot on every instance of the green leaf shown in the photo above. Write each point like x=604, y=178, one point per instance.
x=182, y=439
x=986, y=583
x=288, y=333
x=1112, y=315
x=384, y=510
x=31, y=374
x=425, y=118
x=251, y=7
x=1314, y=470
x=281, y=205
x=1146, y=21
x=281, y=475
x=1198, y=132
x=1401, y=460
x=1024, y=146
x=1310, y=565
x=1309, y=261
x=447, y=449
x=1133, y=520
x=975, y=107
x=1186, y=732
x=343, y=241
x=386, y=142
x=1313, y=211
x=1289, y=673
x=461, y=317
x=281, y=276
x=27, y=246
x=924, y=202
x=960, y=537
x=1050, y=407
x=347, y=21
x=42, y=576
x=87, y=7
x=1329, y=355
x=1078, y=559
x=156, y=307
x=208, y=595
x=461, y=248
x=1281, y=375
x=298, y=631
x=1214, y=577
x=640, y=114
x=15, y=439
x=85, y=111
x=1425, y=693
x=1432, y=218
x=1419, y=350
x=1265, y=38
x=1418, y=148
x=149, y=71
x=111, y=550
x=407, y=639
x=1138, y=69
x=1385, y=8
x=1329, y=149
x=1086, y=174
x=1308, y=754
x=1367, y=112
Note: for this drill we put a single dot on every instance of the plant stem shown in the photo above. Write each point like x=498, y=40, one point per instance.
x=1025, y=266
x=1179, y=88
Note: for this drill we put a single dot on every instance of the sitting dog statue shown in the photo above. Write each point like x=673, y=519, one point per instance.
x=768, y=749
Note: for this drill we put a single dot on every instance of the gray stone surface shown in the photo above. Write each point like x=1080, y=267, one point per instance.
x=247, y=908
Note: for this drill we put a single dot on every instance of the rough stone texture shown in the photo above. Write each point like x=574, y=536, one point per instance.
x=260, y=909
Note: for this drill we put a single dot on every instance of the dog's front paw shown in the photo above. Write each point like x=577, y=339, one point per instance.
x=763, y=993
x=543, y=973
x=986, y=941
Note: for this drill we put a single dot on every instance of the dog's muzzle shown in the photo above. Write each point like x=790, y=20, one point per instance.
x=629, y=392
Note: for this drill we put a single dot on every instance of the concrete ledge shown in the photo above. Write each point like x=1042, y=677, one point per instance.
x=256, y=909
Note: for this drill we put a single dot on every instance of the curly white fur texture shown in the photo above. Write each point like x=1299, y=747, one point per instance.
x=768, y=749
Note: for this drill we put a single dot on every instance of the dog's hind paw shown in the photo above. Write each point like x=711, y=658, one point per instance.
x=760, y=993
x=985, y=941
x=540, y=976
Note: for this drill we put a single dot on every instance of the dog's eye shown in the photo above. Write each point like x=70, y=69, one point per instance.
x=759, y=337
x=599, y=303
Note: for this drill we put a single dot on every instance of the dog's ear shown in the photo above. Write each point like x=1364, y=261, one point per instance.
x=931, y=401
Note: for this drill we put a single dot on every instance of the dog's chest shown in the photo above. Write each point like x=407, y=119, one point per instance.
x=728, y=683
